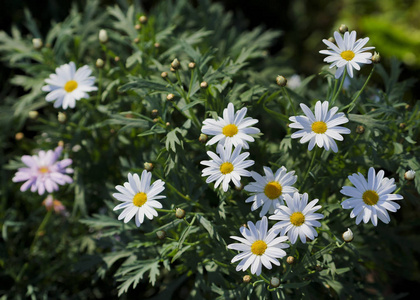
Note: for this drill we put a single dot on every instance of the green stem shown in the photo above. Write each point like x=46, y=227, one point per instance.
x=353, y=103
x=169, y=211
x=339, y=89
x=40, y=228
x=309, y=169
x=286, y=95
x=173, y=188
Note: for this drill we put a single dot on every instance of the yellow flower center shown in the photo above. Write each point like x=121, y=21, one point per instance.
x=319, y=127
x=226, y=168
x=297, y=218
x=347, y=55
x=230, y=130
x=43, y=170
x=139, y=199
x=273, y=190
x=70, y=86
x=370, y=197
x=258, y=247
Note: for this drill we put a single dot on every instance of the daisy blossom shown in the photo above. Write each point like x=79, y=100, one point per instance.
x=348, y=53
x=298, y=218
x=268, y=191
x=68, y=85
x=258, y=247
x=233, y=128
x=44, y=172
x=138, y=197
x=370, y=199
x=226, y=167
x=322, y=128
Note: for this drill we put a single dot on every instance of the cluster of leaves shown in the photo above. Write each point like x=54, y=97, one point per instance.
x=129, y=122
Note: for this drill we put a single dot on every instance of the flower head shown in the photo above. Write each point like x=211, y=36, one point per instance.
x=233, y=128
x=370, y=199
x=68, y=85
x=298, y=218
x=268, y=191
x=56, y=205
x=139, y=198
x=44, y=172
x=226, y=167
x=322, y=128
x=258, y=247
x=348, y=53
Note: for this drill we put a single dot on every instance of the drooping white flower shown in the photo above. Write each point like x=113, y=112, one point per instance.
x=268, y=191
x=68, y=85
x=226, y=167
x=321, y=128
x=298, y=218
x=348, y=53
x=370, y=199
x=259, y=247
x=139, y=198
x=233, y=128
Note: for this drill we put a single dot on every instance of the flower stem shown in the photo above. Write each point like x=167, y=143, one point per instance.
x=309, y=169
x=286, y=95
x=339, y=89
x=353, y=103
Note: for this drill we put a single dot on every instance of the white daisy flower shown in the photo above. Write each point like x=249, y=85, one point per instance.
x=226, y=167
x=370, y=199
x=68, y=85
x=322, y=128
x=268, y=191
x=349, y=53
x=233, y=128
x=298, y=218
x=258, y=247
x=139, y=197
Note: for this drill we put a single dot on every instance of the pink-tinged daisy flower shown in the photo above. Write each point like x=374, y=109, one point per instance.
x=321, y=128
x=68, y=85
x=259, y=247
x=233, y=128
x=139, y=198
x=44, y=172
x=370, y=199
x=56, y=205
x=348, y=53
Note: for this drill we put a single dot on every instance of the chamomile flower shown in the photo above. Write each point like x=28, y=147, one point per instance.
x=68, y=85
x=44, y=172
x=259, y=247
x=298, y=218
x=268, y=191
x=139, y=198
x=370, y=199
x=226, y=167
x=322, y=128
x=233, y=128
x=348, y=53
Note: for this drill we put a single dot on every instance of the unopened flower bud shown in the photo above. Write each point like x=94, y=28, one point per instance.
x=281, y=81
x=155, y=120
x=33, y=114
x=360, y=129
x=116, y=58
x=167, y=124
x=172, y=69
x=180, y=213
x=100, y=63
x=409, y=175
x=136, y=40
x=76, y=148
x=60, y=143
x=191, y=65
x=204, y=85
x=246, y=279
x=137, y=27
x=275, y=282
x=143, y=19
x=37, y=43
x=203, y=138
x=290, y=260
x=175, y=64
x=343, y=28
x=157, y=45
x=164, y=74
x=62, y=117
x=170, y=97
x=154, y=113
x=402, y=125
x=348, y=235
x=161, y=234
x=376, y=58
x=331, y=39
x=148, y=166
x=19, y=136
x=103, y=36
